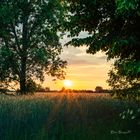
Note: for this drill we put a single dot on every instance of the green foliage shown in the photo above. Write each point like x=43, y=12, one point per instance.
x=29, y=41
x=124, y=80
x=39, y=88
x=113, y=28
x=109, y=29
x=31, y=86
x=98, y=89
x=125, y=6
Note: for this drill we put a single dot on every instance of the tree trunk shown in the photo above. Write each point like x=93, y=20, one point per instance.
x=24, y=54
x=23, y=76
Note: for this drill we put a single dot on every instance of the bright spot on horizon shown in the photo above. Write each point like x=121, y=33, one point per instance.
x=67, y=83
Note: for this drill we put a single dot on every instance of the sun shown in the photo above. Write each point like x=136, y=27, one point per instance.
x=67, y=83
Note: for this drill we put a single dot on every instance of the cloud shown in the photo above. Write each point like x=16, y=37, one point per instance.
x=103, y=57
x=78, y=56
x=86, y=70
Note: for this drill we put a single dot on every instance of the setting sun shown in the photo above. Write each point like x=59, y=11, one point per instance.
x=67, y=83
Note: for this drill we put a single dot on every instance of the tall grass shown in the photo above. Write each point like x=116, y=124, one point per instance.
x=60, y=116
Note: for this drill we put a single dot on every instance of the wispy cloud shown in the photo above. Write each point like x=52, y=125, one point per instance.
x=85, y=70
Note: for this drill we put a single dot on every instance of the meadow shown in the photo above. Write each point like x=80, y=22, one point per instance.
x=66, y=116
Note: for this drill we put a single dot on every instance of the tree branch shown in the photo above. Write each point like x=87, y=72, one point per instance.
x=16, y=38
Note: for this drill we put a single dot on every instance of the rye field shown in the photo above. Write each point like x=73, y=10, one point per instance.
x=68, y=116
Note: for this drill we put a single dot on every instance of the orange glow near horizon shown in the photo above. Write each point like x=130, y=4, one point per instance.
x=85, y=71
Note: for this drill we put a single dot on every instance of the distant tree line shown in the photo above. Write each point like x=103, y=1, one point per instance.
x=98, y=89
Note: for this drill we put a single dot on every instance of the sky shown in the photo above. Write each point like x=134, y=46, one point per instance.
x=86, y=71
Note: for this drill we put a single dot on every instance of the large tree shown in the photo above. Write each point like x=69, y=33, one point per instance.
x=29, y=41
x=113, y=27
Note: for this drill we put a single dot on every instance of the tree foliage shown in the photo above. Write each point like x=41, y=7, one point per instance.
x=113, y=27
x=123, y=86
x=98, y=89
x=29, y=41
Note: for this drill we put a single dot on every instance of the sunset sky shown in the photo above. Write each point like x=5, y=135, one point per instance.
x=86, y=71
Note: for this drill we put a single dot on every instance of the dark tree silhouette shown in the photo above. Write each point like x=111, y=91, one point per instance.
x=113, y=27
x=29, y=43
